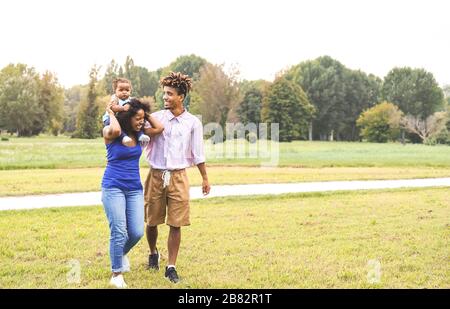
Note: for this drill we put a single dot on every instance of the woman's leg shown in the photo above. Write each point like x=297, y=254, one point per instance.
x=135, y=218
x=114, y=203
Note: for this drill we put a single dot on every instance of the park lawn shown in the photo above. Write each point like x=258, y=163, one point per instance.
x=318, y=240
x=45, y=181
x=63, y=152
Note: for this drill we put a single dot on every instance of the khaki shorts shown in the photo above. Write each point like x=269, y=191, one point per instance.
x=173, y=199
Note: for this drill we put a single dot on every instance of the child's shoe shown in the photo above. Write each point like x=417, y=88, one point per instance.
x=127, y=141
x=143, y=139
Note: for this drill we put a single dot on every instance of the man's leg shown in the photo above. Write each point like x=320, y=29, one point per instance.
x=177, y=216
x=173, y=244
x=155, y=213
x=152, y=237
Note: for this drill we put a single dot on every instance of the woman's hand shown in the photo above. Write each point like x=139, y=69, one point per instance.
x=109, y=106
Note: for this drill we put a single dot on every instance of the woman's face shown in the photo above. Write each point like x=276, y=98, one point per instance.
x=137, y=121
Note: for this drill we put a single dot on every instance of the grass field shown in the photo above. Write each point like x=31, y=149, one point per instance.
x=293, y=241
x=63, y=152
x=44, y=181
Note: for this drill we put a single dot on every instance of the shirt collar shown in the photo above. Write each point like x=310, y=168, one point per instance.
x=170, y=116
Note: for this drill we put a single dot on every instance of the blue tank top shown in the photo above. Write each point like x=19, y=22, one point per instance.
x=122, y=169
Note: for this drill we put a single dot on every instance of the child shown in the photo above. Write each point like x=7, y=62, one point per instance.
x=121, y=97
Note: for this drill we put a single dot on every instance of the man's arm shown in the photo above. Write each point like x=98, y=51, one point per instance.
x=205, y=183
x=198, y=155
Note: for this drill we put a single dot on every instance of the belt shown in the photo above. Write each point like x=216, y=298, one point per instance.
x=166, y=175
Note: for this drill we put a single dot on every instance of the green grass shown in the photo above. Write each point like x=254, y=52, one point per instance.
x=320, y=240
x=63, y=152
x=44, y=181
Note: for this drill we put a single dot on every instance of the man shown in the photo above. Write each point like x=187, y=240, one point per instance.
x=169, y=154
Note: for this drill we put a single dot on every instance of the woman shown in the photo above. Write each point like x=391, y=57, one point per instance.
x=122, y=194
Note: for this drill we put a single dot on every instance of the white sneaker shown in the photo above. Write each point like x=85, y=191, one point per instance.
x=125, y=264
x=144, y=138
x=127, y=141
x=118, y=282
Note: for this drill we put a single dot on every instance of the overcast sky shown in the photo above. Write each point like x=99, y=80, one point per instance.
x=261, y=36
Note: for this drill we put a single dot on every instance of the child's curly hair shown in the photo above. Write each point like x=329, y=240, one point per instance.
x=179, y=81
x=118, y=80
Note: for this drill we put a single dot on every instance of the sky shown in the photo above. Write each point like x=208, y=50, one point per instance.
x=259, y=37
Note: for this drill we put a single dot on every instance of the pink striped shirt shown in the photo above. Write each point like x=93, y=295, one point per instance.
x=180, y=145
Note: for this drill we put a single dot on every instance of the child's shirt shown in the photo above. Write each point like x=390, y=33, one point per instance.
x=121, y=103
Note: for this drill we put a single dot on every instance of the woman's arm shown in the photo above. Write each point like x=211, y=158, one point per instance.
x=156, y=127
x=112, y=131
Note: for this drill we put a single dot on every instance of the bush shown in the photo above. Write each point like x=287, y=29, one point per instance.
x=380, y=123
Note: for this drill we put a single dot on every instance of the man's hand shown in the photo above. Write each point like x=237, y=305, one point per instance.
x=205, y=187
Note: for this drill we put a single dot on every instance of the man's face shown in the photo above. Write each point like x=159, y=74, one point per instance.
x=171, y=98
x=123, y=91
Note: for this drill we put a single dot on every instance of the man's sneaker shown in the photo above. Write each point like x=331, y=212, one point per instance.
x=125, y=264
x=171, y=275
x=153, y=260
x=118, y=282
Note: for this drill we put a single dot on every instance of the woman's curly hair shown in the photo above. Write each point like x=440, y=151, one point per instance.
x=179, y=81
x=124, y=118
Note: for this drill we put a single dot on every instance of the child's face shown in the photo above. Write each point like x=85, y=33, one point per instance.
x=123, y=91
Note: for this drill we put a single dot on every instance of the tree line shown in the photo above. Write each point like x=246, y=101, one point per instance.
x=318, y=99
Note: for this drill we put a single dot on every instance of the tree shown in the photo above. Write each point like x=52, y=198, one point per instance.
x=72, y=100
x=88, y=114
x=380, y=123
x=52, y=100
x=249, y=109
x=426, y=129
x=111, y=73
x=414, y=91
x=187, y=64
x=323, y=81
x=20, y=108
x=260, y=84
x=218, y=92
x=362, y=92
x=446, y=90
x=144, y=82
x=287, y=104
x=444, y=136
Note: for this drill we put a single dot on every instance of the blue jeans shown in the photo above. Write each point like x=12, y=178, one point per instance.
x=125, y=212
